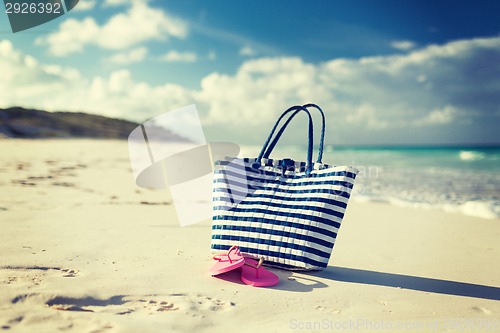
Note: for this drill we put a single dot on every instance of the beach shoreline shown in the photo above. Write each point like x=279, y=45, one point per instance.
x=83, y=249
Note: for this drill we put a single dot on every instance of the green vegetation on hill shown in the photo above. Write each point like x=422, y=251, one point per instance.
x=17, y=122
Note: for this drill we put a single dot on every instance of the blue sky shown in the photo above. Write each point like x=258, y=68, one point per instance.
x=386, y=72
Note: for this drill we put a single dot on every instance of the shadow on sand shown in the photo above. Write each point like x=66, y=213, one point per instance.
x=431, y=285
x=307, y=281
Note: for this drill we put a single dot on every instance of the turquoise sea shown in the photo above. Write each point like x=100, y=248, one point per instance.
x=457, y=179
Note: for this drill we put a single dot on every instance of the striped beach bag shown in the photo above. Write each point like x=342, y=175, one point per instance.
x=287, y=212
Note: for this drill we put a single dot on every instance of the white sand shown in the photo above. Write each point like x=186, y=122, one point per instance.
x=80, y=253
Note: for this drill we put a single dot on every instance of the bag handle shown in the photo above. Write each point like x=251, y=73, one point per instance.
x=321, y=140
x=297, y=109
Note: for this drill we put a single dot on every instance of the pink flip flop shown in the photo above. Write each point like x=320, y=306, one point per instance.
x=253, y=274
x=227, y=262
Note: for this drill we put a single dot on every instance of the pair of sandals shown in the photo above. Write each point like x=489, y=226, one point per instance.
x=252, y=272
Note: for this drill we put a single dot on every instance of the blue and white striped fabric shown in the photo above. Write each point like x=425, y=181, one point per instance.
x=287, y=212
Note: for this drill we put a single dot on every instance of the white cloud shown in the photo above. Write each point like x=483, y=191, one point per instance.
x=72, y=36
x=212, y=55
x=247, y=51
x=421, y=78
x=120, y=96
x=384, y=96
x=403, y=45
x=175, y=56
x=84, y=5
x=419, y=96
x=114, y=3
x=139, y=24
x=442, y=116
x=258, y=89
x=26, y=82
x=365, y=114
x=129, y=57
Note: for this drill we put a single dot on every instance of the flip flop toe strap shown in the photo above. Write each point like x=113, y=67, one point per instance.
x=261, y=261
x=228, y=254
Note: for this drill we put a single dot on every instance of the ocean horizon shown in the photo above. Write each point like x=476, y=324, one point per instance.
x=456, y=178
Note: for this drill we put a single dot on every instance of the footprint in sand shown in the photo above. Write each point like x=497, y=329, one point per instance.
x=153, y=305
x=32, y=275
x=39, y=177
x=69, y=272
x=118, y=305
x=23, y=166
x=23, y=182
x=201, y=303
x=481, y=310
x=193, y=305
x=92, y=325
x=68, y=171
x=91, y=314
x=327, y=310
x=64, y=184
x=12, y=322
